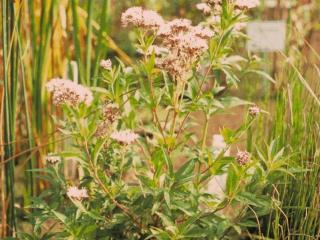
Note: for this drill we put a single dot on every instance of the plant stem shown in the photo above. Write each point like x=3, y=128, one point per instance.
x=94, y=170
x=203, y=146
x=205, y=133
x=197, y=98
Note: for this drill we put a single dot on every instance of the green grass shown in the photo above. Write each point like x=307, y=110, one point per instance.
x=294, y=122
x=10, y=80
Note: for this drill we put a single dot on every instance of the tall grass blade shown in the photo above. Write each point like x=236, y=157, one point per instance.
x=10, y=80
x=99, y=50
x=88, y=41
x=76, y=41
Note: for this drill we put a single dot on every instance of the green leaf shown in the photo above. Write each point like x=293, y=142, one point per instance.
x=97, y=150
x=218, y=165
x=60, y=216
x=230, y=102
x=146, y=182
x=80, y=206
x=159, y=234
x=261, y=73
x=232, y=180
x=185, y=173
x=167, y=198
x=168, y=162
x=166, y=219
x=254, y=200
x=228, y=135
x=157, y=159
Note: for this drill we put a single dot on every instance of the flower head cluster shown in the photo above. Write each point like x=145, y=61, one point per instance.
x=67, y=92
x=77, y=193
x=106, y=64
x=243, y=158
x=110, y=113
x=254, y=111
x=125, y=136
x=53, y=159
x=203, y=32
x=215, y=6
x=205, y=8
x=246, y=4
x=180, y=45
x=185, y=44
x=210, y=6
x=139, y=17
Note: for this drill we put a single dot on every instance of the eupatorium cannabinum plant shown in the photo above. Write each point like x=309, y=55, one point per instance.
x=143, y=174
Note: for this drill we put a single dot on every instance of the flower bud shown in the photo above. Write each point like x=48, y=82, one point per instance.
x=254, y=111
x=243, y=158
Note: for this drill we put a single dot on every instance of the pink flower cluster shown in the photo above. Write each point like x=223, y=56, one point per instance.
x=77, y=193
x=185, y=44
x=106, y=64
x=214, y=6
x=139, y=17
x=125, y=136
x=254, y=111
x=243, y=158
x=210, y=6
x=180, y=45
x=110, y=113
x=68, y=92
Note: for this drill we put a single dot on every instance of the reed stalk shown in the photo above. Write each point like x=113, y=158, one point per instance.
x=10, y=24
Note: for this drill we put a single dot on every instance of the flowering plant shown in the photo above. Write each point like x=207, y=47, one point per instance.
x=143, y=173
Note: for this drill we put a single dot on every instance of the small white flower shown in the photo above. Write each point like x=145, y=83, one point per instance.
x=125, y=136
x=254, y=111
x=205, y=8
x=164, y=30
x=203, y=32
x=179, y=24
x=128, y=70
x=65, y=91
x=132, y=16
x=106, y=64
x=77, y=193
x=141, y=18
x=53, y=159
x=151, y=19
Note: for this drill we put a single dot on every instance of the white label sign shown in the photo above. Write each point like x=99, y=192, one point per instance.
x=266, y=36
